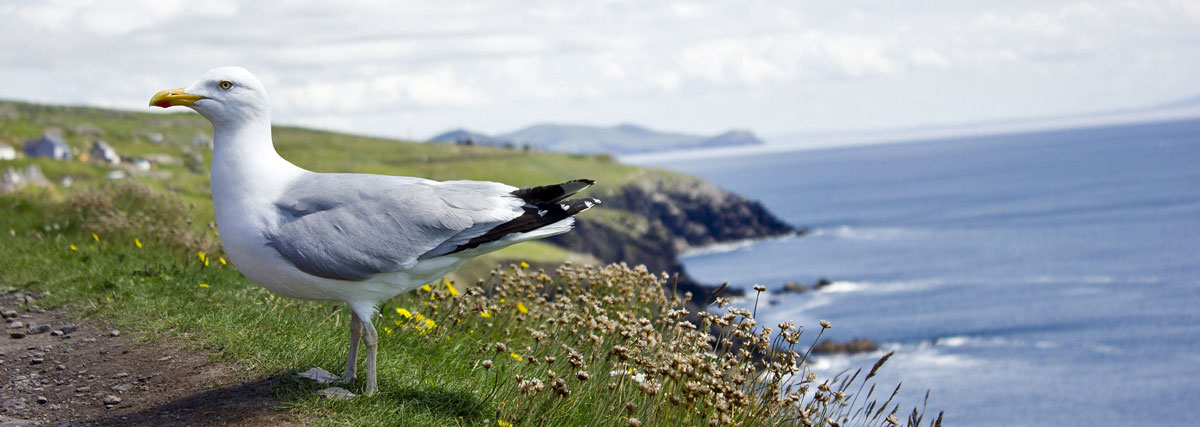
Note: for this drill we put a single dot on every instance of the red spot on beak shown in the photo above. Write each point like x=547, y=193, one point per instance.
x=164, y=103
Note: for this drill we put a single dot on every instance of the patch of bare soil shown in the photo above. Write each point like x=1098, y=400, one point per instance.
x=57, y=370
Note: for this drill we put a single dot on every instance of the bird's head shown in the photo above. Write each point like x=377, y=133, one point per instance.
x=225, y=95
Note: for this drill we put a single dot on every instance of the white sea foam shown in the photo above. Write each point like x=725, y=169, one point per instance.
x=1094, y=280
x=886, y=287
x=907, y=358
x=956, y=341
x=725, y=247
x=866, y=233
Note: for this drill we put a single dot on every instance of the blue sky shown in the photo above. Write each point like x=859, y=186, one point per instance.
x=412, y=69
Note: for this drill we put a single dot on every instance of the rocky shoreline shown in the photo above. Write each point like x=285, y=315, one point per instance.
x=662, y=215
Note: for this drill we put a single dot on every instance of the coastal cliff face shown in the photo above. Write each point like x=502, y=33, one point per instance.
x=651, y=220
x=696, y=212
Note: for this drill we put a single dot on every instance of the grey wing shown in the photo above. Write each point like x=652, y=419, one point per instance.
x=354, y=226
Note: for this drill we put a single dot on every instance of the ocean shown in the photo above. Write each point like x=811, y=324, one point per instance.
x=1048, y=278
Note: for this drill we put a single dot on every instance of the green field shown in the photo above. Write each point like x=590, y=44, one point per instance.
x=579, y=346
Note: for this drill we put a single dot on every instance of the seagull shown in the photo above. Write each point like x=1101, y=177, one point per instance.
x=360, y=239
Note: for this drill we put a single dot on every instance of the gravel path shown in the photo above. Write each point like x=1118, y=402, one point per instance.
x=58, y=370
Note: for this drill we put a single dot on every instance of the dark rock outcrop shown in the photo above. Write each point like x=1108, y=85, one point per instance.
x=650, y=221
x=697, y=213
x=859, y=345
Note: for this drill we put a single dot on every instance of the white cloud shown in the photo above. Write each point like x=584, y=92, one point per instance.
x=1032, y=23
x=929, y=58
x=438, y=87
x=110, y=19
x=683, y=65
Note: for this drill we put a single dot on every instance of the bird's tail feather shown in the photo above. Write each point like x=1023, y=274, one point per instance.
x=553, y=193
x=535, y=217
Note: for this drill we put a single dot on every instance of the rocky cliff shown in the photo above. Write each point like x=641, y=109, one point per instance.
x=649, y=221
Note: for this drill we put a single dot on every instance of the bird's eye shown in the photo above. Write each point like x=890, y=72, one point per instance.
x=225, y=85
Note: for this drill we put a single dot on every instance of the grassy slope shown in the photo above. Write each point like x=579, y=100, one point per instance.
x=315, y=150
x=123, y=254
x=162, y=288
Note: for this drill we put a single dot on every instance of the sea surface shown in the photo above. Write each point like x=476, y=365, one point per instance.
x=1048, y=278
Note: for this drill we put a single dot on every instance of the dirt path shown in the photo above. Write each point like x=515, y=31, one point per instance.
x=72, y=373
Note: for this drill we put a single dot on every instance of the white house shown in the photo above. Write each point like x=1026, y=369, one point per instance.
x=102, y=152
x=7, y=152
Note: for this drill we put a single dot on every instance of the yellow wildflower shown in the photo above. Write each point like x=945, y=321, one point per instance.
x=418, y=317
x=206, y=262
x=73, y=248
x=485, y=314
x=203, y=285
x=429, y=324
x=453, y=292
x=221, y=259
x=426, y=288
x=387, y=330
x=521, y=308
x=403, y=312
x=95, y=237
x=524, y=264
x=515, y=356
x=137, y=242
x=200, y=254
x=503, y=423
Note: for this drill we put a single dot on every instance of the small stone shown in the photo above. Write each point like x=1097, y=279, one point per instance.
x=8, y=314
x=16, y=335
x=36, y=361
x=121, y=388
x=319, y=375
x=56, y=333
x=42, y=400
x=111, y=400
x=69, y=328
x=40, y=329
x=121, y=375
x=15, y=325
x=336, y=393
x=60, y=367
x=83, y=389
x=114, y=333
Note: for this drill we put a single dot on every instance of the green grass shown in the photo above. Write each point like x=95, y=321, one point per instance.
x=312, y=149
x=124, y=254
x=128, y=254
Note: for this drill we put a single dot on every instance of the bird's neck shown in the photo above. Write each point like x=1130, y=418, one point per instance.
x=245, y=166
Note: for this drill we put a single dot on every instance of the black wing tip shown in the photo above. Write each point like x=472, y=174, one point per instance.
x=535, y=217
x=552, y=193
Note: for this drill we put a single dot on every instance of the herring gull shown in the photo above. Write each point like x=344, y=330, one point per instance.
x=356, y=238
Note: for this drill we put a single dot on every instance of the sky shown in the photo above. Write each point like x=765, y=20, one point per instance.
x=411, y=69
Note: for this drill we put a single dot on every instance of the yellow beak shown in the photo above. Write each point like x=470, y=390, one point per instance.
x=171, y=97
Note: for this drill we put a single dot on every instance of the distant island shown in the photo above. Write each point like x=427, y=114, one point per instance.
x=580, y=139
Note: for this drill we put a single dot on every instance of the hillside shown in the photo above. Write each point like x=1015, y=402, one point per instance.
x=617, y=140
x=167, y=332
x=627, y=228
